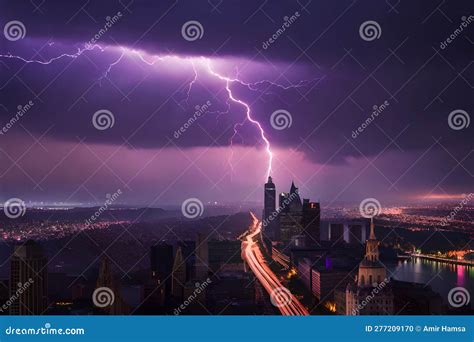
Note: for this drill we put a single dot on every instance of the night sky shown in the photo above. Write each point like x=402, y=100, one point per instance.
x=323, y=72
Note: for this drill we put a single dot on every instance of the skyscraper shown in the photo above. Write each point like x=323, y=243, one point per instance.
x=311, y=222
x=371, y=293
x=269, y=208
x=188, y=251
x=161, y=261
x=28, y=280
x=178, y=275
x=290, y=214
x=117, y=306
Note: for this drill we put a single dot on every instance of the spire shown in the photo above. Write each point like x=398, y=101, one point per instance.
x=372, y=230
x=293, y=189
x=372, y=245
x=270, y=180
x=178, y=274
x=178, y=259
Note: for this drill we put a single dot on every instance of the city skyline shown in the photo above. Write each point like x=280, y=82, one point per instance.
x=191, y=157
x=305, y=264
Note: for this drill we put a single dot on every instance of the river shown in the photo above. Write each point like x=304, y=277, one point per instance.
x=442, y=277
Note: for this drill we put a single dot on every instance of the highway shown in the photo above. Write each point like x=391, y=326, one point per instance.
x=280, y=296
x=281, y=258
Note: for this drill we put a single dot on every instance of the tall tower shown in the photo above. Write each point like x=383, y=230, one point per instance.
x=269, y=203
x=290, y=214
x=161, y=261
x=372, y=275
x=311, y=222
x=28, y=280
x=293, y=189
x=179, y=274
x=106, y=279
x=372, y=245
x=371, y=270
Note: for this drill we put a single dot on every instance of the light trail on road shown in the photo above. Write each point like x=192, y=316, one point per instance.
x=281, y=297
x=281, y=258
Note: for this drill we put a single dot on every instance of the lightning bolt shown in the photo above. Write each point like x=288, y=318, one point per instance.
x=204, y=61
x=228, y=82
x=79, y=52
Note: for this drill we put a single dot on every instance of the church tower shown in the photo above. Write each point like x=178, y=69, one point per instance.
x=372, y=246
x=371, y=270
x=370, y=293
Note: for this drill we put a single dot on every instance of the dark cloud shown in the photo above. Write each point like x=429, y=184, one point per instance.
x=405, y=68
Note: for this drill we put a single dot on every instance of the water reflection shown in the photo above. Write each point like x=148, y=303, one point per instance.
x=442, y=277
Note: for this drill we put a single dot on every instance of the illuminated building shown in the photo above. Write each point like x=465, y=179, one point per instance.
x=291, y=214
x=325, y=281
x=322, y=281
x=28, y=280
x=371, y=293
x=311, y=222
x=269, y=210
x=294, y=220
x=161, y=261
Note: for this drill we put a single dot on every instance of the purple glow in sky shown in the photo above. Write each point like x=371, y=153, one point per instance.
x=221, y=93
